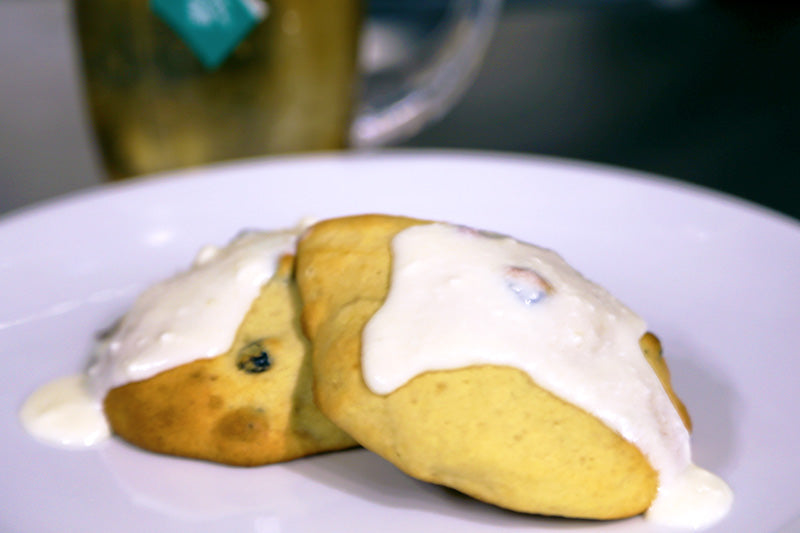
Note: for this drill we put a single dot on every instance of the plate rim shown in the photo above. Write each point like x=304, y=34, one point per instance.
x=381, y=156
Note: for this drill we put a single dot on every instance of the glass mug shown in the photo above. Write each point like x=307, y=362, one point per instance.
x=293, y=84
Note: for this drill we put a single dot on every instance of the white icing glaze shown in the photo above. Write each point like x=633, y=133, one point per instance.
x=64, y=413
x=192, y=315
x=459, y=297
x=695, y=499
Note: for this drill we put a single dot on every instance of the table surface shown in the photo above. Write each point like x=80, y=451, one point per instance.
x=705, y=92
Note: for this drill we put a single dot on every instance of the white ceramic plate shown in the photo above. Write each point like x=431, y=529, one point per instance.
x=717, y=279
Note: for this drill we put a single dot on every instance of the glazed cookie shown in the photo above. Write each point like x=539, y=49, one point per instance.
x=250, y=405
x=410, y=359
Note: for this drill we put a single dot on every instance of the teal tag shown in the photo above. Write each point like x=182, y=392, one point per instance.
x=211, y=28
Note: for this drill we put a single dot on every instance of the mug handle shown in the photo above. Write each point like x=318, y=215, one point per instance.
x=395, y=105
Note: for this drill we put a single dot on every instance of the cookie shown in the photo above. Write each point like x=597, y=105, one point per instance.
x=251, y=405
x=487, y=430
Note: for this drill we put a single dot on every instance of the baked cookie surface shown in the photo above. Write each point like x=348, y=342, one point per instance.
x=252, y=405
x=489, y=431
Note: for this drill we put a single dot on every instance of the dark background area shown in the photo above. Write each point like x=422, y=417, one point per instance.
x=707, y=92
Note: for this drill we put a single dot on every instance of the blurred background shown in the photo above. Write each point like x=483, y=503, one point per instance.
x=704, y=91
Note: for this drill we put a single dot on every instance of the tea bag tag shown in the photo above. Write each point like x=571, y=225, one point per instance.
x=211, y=28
